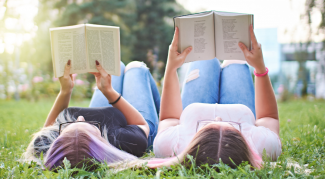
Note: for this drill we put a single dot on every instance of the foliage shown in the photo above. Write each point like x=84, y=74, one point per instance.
x=302, y=134
x=146, y=29
x=50, y=87
x=315, y=4
x=145, y=25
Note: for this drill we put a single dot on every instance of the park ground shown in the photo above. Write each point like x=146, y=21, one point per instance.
x=302, y=133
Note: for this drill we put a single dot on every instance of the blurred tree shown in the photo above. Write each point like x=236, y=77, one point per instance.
x=301, y=56
x=4, y=57
x=154, y=31
x=40, y=49
x=109, y=12
x=313, y=6
x=16, y=30
x=145, y=25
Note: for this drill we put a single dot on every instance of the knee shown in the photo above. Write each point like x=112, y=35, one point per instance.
x=135, y=64
x=226, y=63
x=122, y=64
x=194, y=74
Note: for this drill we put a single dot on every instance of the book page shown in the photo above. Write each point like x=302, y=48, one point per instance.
x=198, y=32
x=230, y=30
x=68, y=43
x=103, y=44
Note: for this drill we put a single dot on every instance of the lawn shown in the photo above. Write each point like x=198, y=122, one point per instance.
x=302, y=133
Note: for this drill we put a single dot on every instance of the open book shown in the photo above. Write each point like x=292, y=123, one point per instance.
x=83, y=45
x=214, y=34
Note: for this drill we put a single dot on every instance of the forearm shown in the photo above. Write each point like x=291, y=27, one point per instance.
x=61, y=102
x=133, y=116
x=171, y=102
x=265, y=102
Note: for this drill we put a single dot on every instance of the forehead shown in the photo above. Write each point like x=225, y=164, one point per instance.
x=80, y=125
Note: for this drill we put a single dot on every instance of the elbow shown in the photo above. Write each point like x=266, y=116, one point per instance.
x=168, y=117
x=274, y=115
x=270, y=114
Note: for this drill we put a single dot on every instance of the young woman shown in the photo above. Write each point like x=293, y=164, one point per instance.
x=123, y=117
x=218, y=116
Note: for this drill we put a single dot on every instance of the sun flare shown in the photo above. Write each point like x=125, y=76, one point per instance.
x=19, y=27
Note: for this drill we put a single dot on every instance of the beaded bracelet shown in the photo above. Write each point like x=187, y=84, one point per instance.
x=263, y=74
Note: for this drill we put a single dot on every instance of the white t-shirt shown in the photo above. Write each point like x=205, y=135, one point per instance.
x=173, y=140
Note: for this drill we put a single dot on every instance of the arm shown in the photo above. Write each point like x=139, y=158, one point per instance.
x=63, y=99
x=171, y=103
x=265, y=102
x=133, y=117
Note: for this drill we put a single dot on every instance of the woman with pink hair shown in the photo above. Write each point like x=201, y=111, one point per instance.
x=120, y=123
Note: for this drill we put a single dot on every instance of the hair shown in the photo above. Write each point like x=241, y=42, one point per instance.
x=80, y=147
x=215, y=143
x=46, y=142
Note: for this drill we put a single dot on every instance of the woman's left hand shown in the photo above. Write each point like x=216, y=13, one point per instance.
x=67, y=81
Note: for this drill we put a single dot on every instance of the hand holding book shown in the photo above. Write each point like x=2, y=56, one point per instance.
x=104, y=82
x=66, y=81
x=255, y=56
x=84, y=44
x=214, y=34
x=176, y=59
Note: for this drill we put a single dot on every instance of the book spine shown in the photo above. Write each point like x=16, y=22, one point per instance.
x=178, y=24
x=252, y=22
x=52, y=51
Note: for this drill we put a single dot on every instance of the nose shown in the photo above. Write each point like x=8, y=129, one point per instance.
x=81, y=118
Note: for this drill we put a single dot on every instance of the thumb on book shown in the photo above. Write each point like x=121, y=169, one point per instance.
x=100, y=69
x=67, y=68
x=243, y=48
x=186, y=51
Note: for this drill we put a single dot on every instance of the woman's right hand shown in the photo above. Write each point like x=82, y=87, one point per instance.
x=255, y=56
x=176, y=59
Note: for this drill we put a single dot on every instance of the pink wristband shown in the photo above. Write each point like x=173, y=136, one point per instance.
x=263, y=74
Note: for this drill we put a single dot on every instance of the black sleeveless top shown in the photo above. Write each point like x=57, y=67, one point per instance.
x=129, y=138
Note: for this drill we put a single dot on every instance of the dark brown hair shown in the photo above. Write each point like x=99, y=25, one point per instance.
x=215, y=142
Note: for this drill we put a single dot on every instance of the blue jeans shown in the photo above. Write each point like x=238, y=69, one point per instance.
x=230, y=85
x=138, y=87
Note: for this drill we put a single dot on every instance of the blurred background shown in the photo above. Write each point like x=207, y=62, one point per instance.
x=291, y=33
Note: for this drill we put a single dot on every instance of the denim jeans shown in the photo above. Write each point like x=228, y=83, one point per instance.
x=138, y=87
x=230, y=85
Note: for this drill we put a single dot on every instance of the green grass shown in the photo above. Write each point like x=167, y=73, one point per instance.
x=302, y=134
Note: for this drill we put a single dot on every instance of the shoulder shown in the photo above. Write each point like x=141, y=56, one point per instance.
x=168, y=136
x=270, y=123
x=265, y=139
x=131, y=139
